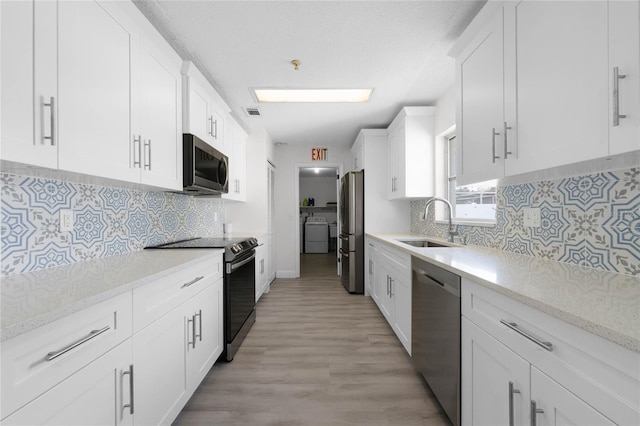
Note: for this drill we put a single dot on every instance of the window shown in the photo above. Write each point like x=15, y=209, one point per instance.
x=471, y=203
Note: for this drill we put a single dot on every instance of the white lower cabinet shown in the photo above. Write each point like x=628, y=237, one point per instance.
x=495, y=380
x=134, y=359
x=370, y=289
x=261, y=268
x=203, y=317
x=98, y=394
x=392, y=289
x=547, y=372
x=160, y=376
x=174, y=352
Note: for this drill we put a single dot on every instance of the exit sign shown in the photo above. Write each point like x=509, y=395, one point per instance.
x=319, y=154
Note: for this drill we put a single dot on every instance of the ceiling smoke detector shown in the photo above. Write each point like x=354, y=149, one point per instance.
x=252, y=111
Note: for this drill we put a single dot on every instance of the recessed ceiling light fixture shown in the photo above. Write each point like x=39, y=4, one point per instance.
x=312, y=95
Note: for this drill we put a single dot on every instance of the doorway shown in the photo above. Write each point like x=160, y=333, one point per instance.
x=317, y=191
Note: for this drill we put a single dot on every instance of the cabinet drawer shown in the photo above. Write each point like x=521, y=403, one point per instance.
x=36, y=361
x=155, y=299
x=600, y=372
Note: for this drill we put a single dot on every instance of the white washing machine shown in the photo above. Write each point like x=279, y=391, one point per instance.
x=316, y=235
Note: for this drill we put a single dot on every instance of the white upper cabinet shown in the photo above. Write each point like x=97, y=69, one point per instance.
x=204, y=111
x=86, y=90
x=560, y=94
x=536, y=86
x=236, y=141
x=157, y=124
x=480, y=106
x=411, y=153
x=28, y=114
x=624, y=58
x=94, y=82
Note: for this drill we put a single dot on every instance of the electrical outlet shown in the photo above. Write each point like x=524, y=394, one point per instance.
x=532, y=217
x=66, y=220
x=215, y=217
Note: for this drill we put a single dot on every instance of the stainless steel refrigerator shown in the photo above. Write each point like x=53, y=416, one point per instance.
x=352, y=231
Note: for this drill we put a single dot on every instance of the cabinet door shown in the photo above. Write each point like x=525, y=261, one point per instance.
x=94, y=79
x=160, y=378
x=488, y=369
x=558, y=406
x=236, y=144
x=624, y=53
x=95, y=395
x=561, y=110
x=395, y=136
x=29, y=81
x=157, y=116
x=401, y=296
x=261, y=270
x=217, y=123
x=197, y=122
x=204, y=333
x=480, y=106
x=370, y=277
x=385, y=303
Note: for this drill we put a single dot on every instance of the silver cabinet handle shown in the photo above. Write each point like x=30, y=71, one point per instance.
x=94, y=333
x=136, y=141
x=191, y=324
x=130, y=404
x=493, y=144
x=210, y=125
x=506, y=148
x=370, y=267
x=512, y=390
x=512, y=325
x=192, y=282
x=387, y=285
x=215, y=132
x=534, y=412
x=391, y=281
x=616, y=96
x=52, y=118
x=199, y=335
x=147, y=146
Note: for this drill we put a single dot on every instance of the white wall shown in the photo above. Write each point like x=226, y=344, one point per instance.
x=251, y=217
x=287, y=158
x=445, y=111
x=321, y=189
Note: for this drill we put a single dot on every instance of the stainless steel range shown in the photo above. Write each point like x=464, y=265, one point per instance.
x=239, y=285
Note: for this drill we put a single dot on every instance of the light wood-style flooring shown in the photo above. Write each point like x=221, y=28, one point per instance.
x=315, y=356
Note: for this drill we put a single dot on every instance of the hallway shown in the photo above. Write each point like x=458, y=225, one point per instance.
x=315, y=356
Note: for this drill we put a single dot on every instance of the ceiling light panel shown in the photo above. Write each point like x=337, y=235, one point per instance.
x=312, y=95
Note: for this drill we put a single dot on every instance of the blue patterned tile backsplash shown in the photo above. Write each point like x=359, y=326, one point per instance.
x=591, y=221
x=107, y=221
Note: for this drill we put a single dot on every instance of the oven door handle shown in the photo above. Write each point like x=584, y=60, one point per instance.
x=233, y=266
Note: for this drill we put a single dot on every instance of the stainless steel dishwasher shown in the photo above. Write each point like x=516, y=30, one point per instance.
x=435, y=330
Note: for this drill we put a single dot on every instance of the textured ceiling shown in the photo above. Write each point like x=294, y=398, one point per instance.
x=397, y=47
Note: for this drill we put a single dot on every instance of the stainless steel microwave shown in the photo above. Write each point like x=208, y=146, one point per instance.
x=205, y=170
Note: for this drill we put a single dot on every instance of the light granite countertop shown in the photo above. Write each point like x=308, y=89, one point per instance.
x=33, y=299
x=604, y=303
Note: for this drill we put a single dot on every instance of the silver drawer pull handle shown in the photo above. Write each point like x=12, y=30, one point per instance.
x=130, y=404
x=55, y=354
x=512, y=325
x=192, y=282
x=512, y=390
x=534, y=413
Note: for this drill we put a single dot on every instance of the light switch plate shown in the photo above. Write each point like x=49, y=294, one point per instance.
x=532, y=217
x=66, y=220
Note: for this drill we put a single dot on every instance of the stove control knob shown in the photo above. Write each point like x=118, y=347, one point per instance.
x=235, y=248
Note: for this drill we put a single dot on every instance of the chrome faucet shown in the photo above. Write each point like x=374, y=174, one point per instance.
x=453, y=231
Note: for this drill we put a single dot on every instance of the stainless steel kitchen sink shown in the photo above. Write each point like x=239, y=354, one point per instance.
x=422, y=243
